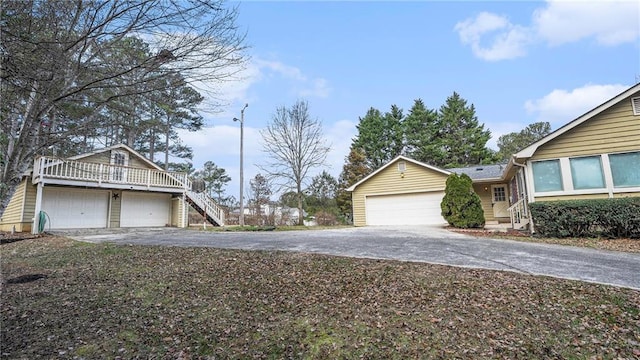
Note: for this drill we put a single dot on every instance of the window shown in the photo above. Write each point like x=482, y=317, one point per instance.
x=586, y=173
x=499, y=194
x=120, y=159
x=547, y=176
x=402, y=166
x=625, y=169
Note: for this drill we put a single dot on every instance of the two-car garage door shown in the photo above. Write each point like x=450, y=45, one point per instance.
x=405, y=209
x=69, y=208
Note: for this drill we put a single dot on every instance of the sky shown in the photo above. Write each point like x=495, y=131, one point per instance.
x=516, y=62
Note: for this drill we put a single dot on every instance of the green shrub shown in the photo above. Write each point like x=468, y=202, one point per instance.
x=610, y=218
x=461, y=206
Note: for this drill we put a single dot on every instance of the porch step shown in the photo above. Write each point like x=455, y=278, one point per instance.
x=524, y=222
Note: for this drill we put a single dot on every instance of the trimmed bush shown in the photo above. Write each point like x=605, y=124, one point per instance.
x=461, y=206
x=609, y=218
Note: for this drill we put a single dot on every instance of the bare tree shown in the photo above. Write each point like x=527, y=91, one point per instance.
x=64, y=62
x=295, y=144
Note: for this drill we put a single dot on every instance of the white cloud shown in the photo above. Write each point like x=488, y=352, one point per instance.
x=303, y=86
x=561, y=106
x=507, y=41
x=610, y=23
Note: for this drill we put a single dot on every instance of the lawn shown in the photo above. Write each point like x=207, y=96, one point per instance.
x=65, y=299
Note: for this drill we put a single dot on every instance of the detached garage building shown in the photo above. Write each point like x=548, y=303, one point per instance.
x=402, y=192
x=107, y=188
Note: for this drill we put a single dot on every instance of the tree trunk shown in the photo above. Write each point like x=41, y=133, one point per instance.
x=166, y=145
x=300, y=210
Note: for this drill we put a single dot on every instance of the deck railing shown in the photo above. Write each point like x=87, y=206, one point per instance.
x=50, y=167
x=55, y=168
x=518, y=213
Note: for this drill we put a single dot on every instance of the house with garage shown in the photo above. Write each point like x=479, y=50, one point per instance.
x=596, y=155
x=107, y=188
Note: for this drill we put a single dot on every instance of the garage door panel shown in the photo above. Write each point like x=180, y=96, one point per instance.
x=405, y=209
x=75, y=208
x=141, y=209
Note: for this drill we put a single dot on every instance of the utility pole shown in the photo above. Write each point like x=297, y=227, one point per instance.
x=241, y=219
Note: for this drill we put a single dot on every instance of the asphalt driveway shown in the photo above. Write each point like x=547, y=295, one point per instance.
x=419, y=243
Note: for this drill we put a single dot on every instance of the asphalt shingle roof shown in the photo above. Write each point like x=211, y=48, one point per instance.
x=480, y=172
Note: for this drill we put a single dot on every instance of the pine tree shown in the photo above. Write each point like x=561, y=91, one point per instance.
x=380, y=136
x=461, y=138
x=355, y=169
x=421, y=133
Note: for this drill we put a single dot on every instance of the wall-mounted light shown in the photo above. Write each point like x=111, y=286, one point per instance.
x=486, y=188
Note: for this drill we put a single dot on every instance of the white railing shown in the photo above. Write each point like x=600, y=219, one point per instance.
x=518, y=213
x=55, y=168
x=206, y=203
x=48, y=167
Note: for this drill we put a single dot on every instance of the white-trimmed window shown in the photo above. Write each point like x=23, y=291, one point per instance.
x=586, y=173
x=402, y=166
x=625, y=169
x=547, y=176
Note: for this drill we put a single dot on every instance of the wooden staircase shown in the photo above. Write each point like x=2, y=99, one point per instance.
x=206, y=207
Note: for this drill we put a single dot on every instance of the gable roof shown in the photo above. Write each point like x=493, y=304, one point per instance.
x=482, y=172
x=399, y=157
x=115, y=147
x=531, y=149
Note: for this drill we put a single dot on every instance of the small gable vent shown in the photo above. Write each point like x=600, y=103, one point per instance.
x=635, y=104
x=402, y=166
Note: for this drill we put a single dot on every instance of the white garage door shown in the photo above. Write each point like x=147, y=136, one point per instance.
x=75, y=208
x=140, y=209
x=406, y=209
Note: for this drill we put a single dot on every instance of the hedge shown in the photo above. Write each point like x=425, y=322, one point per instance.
x=609, y=218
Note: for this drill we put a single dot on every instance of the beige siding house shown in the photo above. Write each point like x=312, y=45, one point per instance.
x=597, y=155
x=108, y=188
x=402, y=192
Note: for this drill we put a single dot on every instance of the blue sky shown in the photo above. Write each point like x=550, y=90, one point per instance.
x=517, y=62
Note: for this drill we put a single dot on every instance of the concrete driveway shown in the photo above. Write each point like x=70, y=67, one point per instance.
x=418, y=243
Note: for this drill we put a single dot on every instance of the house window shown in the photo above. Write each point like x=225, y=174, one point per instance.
x=547, y=176
x=402, y=166
x=120, y=159
x=499, y=194
x=586, y=173
x=625, y=169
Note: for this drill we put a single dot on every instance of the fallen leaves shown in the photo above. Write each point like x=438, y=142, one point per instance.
x=155, y=302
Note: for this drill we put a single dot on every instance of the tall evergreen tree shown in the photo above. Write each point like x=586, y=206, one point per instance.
x=380, y=136
x=421, y=133
x=216, y=179
x=462, y=139
x=355, y=168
